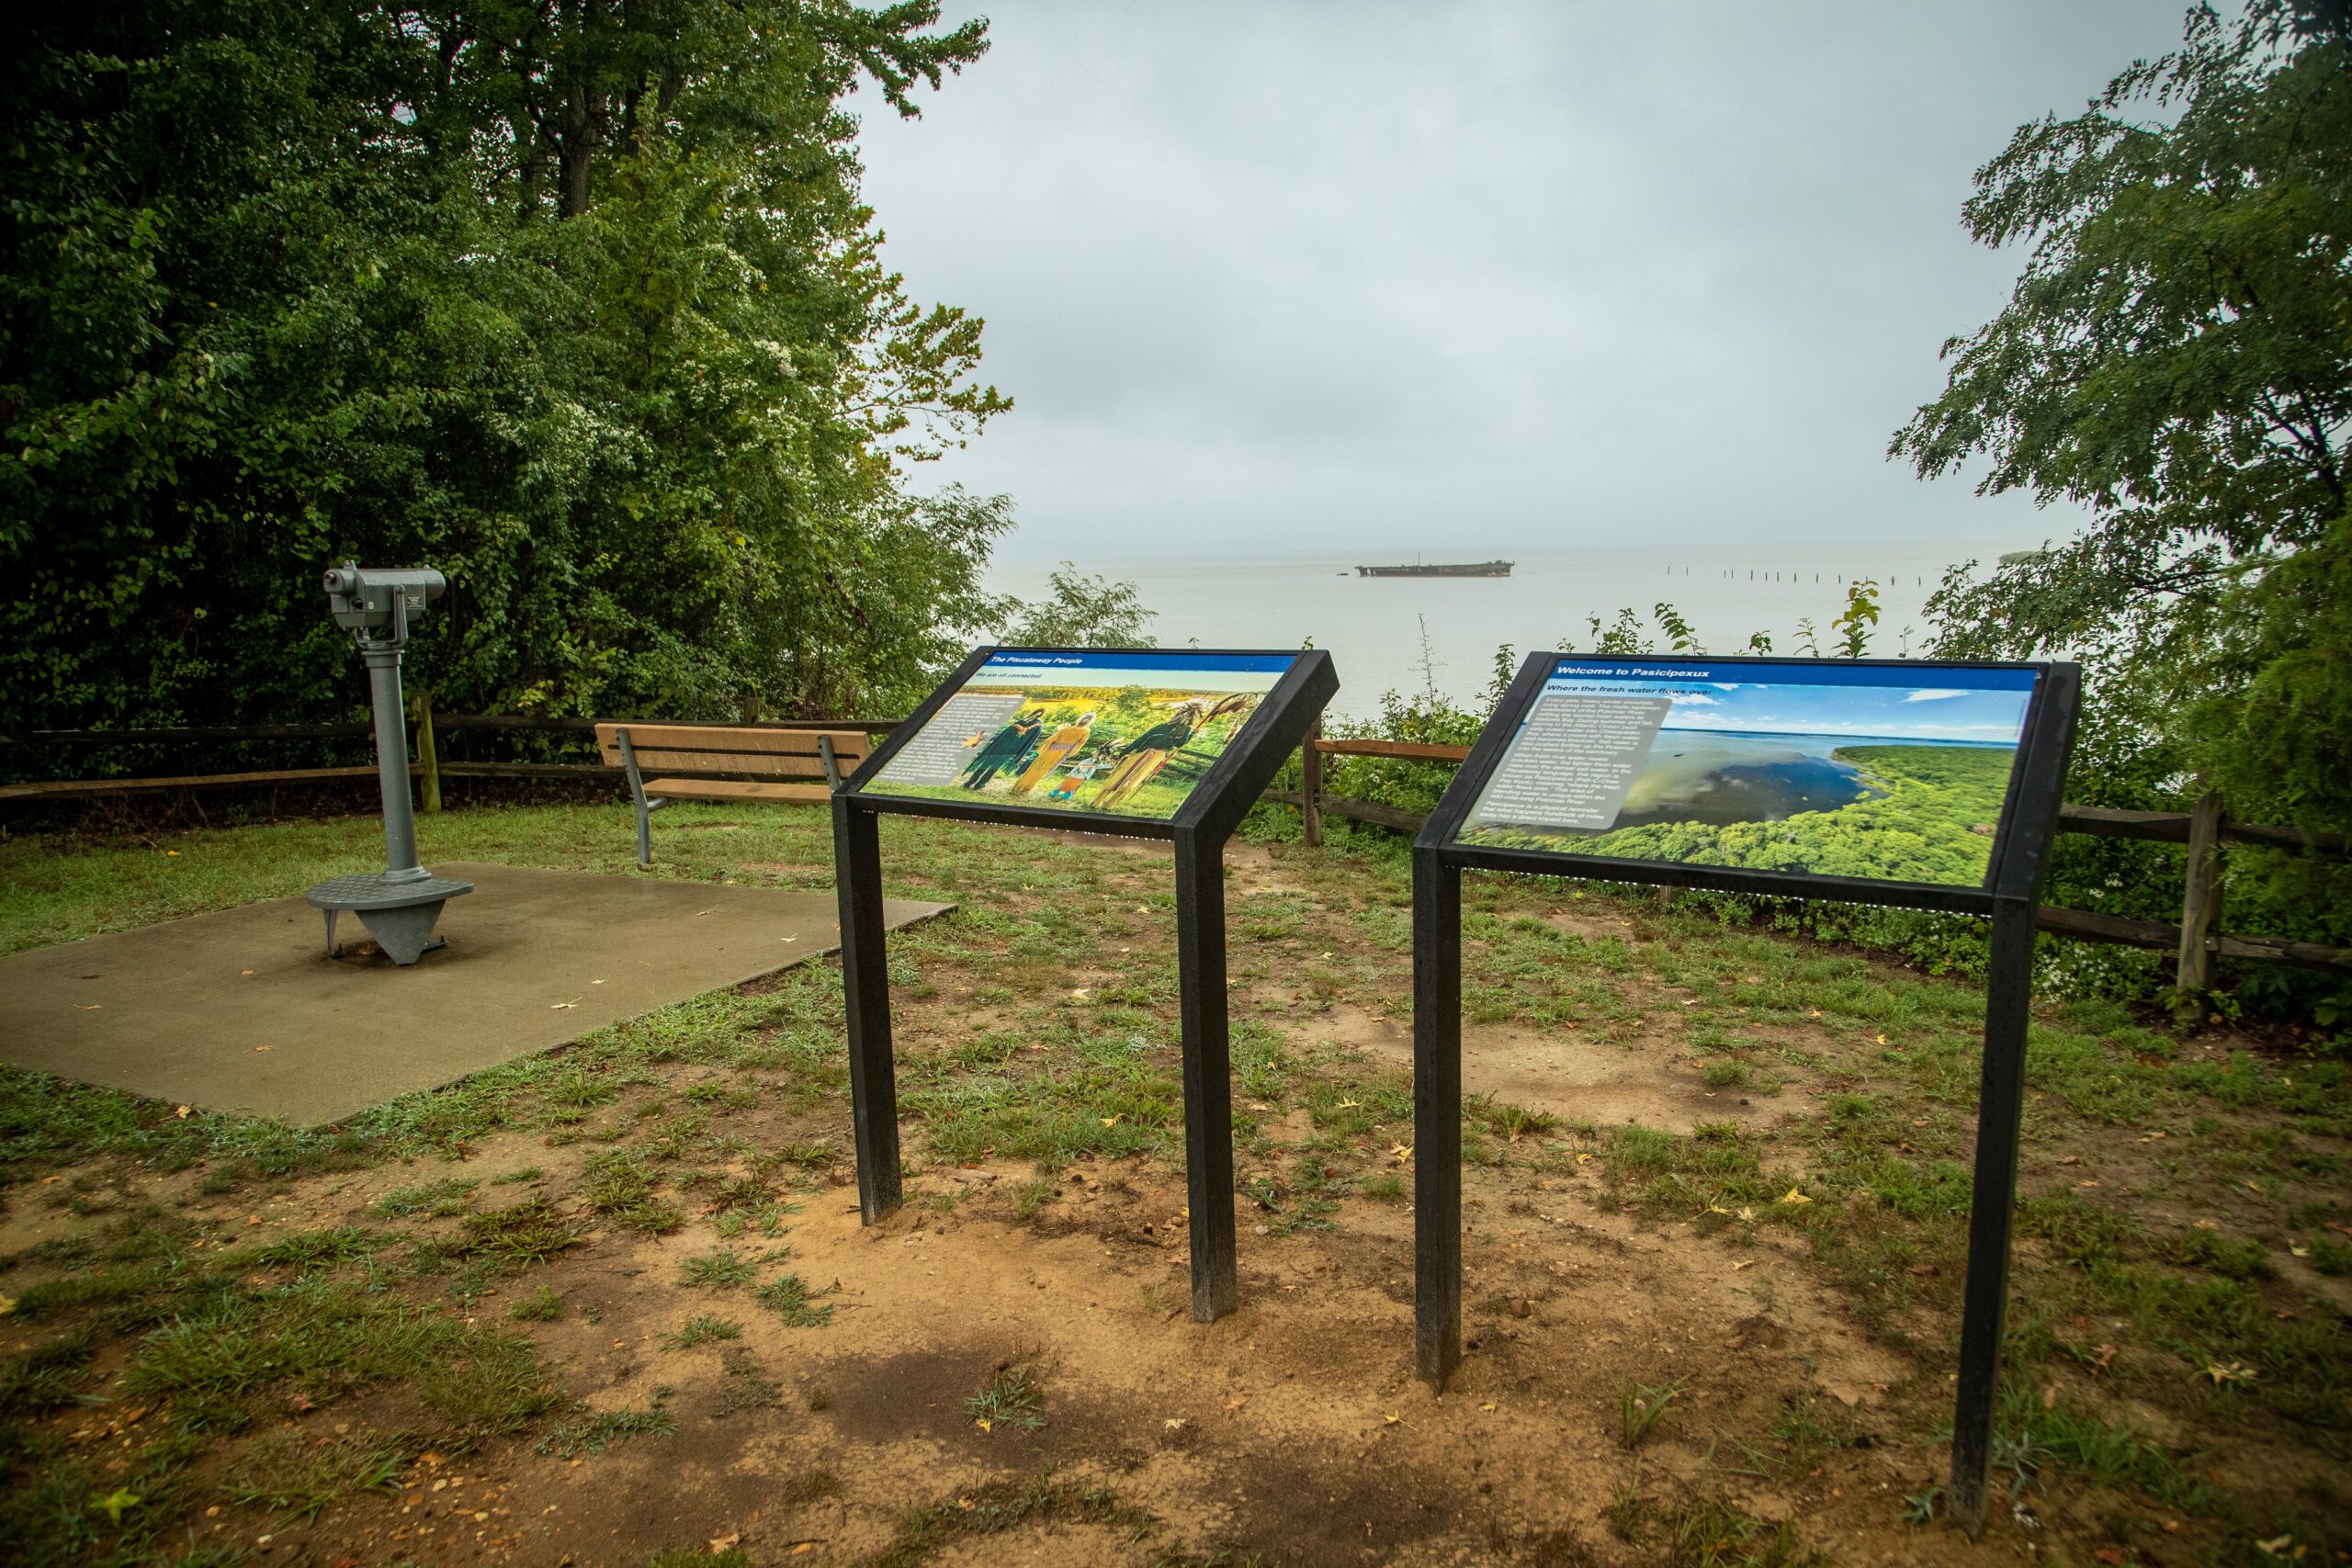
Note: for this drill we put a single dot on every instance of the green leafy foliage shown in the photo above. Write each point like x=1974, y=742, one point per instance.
x=580, y=306
x=2172, y=359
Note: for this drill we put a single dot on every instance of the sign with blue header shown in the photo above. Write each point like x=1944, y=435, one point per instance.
x=1897, y=773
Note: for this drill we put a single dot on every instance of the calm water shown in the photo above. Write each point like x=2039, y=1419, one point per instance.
x=1695, y=775
x=1373, y=626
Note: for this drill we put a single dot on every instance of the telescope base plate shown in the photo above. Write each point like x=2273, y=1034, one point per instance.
x=400, y=915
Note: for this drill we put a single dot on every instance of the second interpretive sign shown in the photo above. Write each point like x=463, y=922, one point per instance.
x=1897, y=772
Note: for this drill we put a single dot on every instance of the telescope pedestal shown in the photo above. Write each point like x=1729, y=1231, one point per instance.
x=399, y=915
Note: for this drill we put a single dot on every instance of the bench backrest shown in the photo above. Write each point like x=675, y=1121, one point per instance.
x=730, y=748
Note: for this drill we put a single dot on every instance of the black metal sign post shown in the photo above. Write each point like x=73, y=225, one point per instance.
x=1198, y=832
x=2010, y=895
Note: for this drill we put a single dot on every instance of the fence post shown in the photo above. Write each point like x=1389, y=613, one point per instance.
x=1310, y=785
x=2201, y=905
x=428, y=755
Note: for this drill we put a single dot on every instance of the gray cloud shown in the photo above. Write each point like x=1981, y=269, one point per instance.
x=1496, y=276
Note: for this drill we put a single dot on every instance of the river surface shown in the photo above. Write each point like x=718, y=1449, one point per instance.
x=1374, y=627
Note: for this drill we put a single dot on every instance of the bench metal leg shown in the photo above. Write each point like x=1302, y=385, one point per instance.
x=832, y=767
x=637, y=794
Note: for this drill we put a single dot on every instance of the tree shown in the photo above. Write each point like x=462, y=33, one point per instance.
x=2173, y=357
x=575, y=300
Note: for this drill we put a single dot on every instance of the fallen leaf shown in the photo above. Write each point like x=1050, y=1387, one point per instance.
x=7, y=1305
x=116, y=1501
x=983, y=1424
x=1748, y=1214
x=2299, y=1249
x=259, y=1049
x=1743, y=1263
x=1081, y=993
x=1391, y=1420
x=2233, y=1372
x=2110, y=1555
x=1115, y=1121
x=723, y=1542
x=182, y=1113
x=2275, y=1546
x=1584, y=1159
x=1882, y=1039
x=1793, y=1196
x=1174, y=1424
x=1488, y=1406
x=90, y=1006
x=243, y=973
x=559, y=1007
x=1347, y=1105
x=1236, y=1403
x=2101, y=1356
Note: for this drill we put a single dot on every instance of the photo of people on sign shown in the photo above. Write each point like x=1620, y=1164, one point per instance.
x=1888, y=772
x=1126, y=731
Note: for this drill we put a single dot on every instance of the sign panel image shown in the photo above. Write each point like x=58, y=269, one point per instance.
x=1893, y=772
x=1126, y=732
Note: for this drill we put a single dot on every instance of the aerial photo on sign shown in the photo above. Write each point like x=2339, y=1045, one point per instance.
x=1893, y=773
x=1123, y=731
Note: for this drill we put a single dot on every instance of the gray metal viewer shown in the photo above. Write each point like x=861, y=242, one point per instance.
x=400, y=905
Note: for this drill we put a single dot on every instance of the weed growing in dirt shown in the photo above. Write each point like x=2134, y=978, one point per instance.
x=595, y=1433
x=701, y=1330
x=433, y=1199
x=529, y=1233
x=990, y=1510
x=291, y=1474
x=1639, y=1409
x=791, y=1300
x=1011, y=1399
x=544, y=1304
x=720, y=1269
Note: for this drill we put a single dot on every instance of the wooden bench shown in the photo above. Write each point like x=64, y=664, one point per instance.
x=728, y=762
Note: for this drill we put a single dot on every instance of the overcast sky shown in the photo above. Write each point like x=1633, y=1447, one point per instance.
x=1556, y=276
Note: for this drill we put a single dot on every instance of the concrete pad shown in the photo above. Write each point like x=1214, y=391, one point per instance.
x=243, y=1010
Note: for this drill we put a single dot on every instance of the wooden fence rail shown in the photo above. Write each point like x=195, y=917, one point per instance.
x=2204, y=829
x=429, y=767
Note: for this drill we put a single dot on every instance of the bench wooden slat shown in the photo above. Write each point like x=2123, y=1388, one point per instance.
x=738, y=789
x=791, y=753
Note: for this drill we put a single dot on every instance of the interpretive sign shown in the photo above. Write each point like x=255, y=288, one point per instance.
x=1126, y=731
x=1149, y=743
x=1935, y=785
x=1897, y=772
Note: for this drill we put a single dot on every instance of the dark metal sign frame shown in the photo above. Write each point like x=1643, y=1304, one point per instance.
x=1198, y=831
x=2008, y=896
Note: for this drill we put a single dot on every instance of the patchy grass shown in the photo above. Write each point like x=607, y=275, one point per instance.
x=2182, y=1222
x=593, y=1433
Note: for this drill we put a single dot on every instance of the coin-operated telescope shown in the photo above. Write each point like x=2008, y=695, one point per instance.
x=401, y=905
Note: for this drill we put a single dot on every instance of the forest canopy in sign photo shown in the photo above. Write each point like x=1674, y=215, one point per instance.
x=1889, y=773
x=1129, y=732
